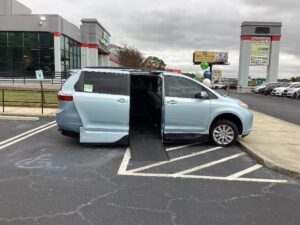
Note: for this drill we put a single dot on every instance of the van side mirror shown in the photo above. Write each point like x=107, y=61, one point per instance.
x=201, y=95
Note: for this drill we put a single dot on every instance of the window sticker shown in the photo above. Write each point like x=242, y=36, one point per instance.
x=88, y=88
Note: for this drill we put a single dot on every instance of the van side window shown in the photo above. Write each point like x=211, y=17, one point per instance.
x=104, y=83
x=181, y=87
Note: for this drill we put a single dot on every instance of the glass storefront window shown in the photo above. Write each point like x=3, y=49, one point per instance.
x=3, y=39
x=31, y=40
x=46, y=41
x=15, y=39
x=70, y=54
x=21, y=53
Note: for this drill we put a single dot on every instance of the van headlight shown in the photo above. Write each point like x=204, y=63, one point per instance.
x=243, y=105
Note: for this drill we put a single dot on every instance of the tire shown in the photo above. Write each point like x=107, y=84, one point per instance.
x=230, y=130
x=295, y=95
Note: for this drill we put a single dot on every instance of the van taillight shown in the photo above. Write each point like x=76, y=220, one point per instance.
x=64, y=97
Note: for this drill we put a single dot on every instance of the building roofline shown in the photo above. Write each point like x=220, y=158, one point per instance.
x=255, y=23
x=90, y=20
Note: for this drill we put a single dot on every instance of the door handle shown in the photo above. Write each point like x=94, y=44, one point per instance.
x=121, y=100
x=172, y=102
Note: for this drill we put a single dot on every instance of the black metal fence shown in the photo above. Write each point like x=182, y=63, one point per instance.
x=28, y=98
x=50, y=77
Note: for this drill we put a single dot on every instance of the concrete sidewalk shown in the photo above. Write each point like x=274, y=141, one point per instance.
x=275, y=143
x=26, y=111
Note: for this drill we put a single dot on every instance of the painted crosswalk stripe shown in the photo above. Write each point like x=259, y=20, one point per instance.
x=243, y=172
x=191, y=170
x=174, y=159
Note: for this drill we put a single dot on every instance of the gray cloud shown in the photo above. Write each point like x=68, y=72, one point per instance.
x=174, y=29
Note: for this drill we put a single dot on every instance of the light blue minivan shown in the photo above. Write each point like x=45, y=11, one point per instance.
x=107, y=105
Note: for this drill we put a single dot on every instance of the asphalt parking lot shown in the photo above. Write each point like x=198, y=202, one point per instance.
x=47, y=178
x=280, y=107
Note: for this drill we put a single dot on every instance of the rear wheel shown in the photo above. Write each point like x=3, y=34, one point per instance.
x=295, y=95
x=224, y=133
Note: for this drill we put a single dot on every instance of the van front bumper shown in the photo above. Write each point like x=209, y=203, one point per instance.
x=247, y=121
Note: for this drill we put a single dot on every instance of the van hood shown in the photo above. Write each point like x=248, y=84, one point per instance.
x=230, y=99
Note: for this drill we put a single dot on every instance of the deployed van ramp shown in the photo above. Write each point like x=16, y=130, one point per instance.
x=147, y=147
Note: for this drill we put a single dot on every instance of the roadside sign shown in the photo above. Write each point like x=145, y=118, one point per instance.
x=222, y=57
x=260, y=51
x=210, y=57
x=39, y=75
x=204, y=56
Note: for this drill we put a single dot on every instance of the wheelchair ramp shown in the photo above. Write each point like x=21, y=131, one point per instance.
x=147, y=147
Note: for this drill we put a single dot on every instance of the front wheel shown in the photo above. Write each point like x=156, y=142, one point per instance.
x=224, y=133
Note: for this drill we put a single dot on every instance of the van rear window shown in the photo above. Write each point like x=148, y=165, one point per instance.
x=103, y=83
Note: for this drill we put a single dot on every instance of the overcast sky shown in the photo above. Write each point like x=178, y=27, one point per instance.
x=172, y=30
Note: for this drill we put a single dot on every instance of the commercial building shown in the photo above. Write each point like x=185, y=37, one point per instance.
x=29, y=42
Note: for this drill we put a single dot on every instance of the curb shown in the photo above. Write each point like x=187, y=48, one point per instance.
x=23, y=118
x=27, y=115
x=266, y=161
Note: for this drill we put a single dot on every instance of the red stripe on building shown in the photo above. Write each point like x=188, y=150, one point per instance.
x=93, y=46
x=246, y=38
x=57, y=34
x=276, y=38
x=104, y=53
x=84, y=45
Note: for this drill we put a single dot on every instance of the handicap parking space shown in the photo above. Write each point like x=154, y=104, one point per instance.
x=47, y=178
x=203, y=161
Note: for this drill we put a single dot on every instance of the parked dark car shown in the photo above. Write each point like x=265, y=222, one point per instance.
x=269, y=88
x=233, y=84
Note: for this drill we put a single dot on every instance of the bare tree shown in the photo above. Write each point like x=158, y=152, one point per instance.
x=153, y=62
x=130, y=57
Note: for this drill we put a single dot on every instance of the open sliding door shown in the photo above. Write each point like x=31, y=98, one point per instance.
x=103, y=105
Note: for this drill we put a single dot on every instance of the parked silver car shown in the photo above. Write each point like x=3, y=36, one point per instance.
x=292, y=91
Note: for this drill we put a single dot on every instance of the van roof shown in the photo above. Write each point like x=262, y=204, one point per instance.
x=132, y=71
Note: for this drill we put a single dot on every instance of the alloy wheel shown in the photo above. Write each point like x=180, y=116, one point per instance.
x=223, y=134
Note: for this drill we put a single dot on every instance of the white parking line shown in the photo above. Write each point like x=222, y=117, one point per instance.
x=204, y=177
x=174, y=160
x=125, y=161
x=182, y=146
x=134, y=172
x=27, y=132
x=243, y=172
x=209, y=164
x=30, y=133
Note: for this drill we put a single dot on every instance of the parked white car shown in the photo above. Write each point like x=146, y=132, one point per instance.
x=279, y=90
x=292, y=92
x=218, y=86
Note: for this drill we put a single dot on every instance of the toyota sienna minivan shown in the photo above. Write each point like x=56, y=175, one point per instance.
x=107, y=105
